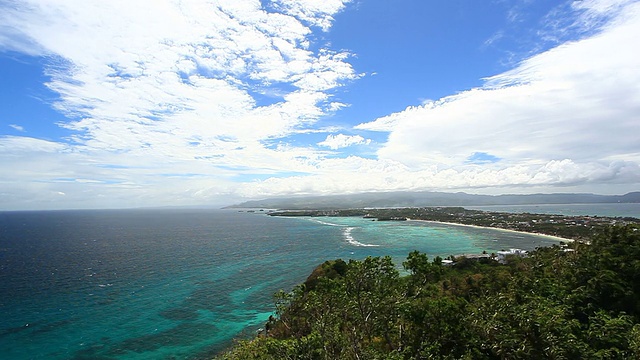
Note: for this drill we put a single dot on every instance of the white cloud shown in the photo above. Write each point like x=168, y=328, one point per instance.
x=601, y=7
x=165, y=67
x=340, y=141
x=318, y=13
x=567, y=116
x=17, y=127
x=161, y=100
x=355, y=174
x=19, y=144
x=166, y=87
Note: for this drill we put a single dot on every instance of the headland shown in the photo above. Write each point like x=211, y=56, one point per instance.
x=562, y=227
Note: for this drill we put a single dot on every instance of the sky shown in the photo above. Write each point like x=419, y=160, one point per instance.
x=119, y=104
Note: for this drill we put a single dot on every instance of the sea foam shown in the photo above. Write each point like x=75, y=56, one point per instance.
x=349, y=237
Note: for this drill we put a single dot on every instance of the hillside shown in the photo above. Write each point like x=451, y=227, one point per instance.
x=419, y=199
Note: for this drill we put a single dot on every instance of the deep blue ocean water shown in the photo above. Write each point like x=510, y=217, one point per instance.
x=180, y=284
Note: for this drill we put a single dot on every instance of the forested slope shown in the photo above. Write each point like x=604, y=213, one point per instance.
x=554, y=304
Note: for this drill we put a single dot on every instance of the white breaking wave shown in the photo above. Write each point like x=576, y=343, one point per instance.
x=326, y=223
x=346, y=232
x=347, y=236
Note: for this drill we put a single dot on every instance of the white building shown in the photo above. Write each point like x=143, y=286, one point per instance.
x=502, y=255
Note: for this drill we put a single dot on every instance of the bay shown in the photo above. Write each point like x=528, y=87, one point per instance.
x=180, y=284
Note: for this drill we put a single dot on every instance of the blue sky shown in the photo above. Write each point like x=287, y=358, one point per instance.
x=154, y=103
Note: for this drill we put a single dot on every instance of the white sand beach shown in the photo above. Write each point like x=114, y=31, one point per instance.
x=495, y=228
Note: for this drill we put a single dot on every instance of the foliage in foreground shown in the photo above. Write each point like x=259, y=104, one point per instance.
x=554, y=304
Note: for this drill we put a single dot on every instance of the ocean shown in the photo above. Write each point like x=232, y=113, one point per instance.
x=180, y=284
x=612, y=210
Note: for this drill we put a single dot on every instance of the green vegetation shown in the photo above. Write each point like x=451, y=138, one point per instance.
x=582, y=303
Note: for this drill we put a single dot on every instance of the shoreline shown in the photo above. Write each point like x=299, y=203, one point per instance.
x=558, y=238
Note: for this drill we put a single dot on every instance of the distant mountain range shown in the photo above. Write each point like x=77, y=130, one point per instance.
x=418, y=199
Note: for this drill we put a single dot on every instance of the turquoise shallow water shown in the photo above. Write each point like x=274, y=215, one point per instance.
x=179, y=284
x=397, y=238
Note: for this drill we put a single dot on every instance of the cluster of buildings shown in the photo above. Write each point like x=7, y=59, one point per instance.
x=500, y=256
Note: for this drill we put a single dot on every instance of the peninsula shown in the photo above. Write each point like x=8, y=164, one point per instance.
x=568, y=227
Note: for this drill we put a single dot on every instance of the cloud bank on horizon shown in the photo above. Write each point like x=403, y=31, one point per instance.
x=207, y=102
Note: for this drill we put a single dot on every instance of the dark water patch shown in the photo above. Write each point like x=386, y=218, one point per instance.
x=180, y=314
x=93, y=352
x=53, y=326
x=181, y=335
x=36, y=327
x=209, y=295
x=14, y=330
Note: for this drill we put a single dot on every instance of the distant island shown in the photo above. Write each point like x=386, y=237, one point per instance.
x=422, y=199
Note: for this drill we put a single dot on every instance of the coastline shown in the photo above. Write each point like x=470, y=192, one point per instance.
x=558, y=238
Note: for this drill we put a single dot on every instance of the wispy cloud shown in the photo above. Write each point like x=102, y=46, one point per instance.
x=17, y=127
x=494, y=38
